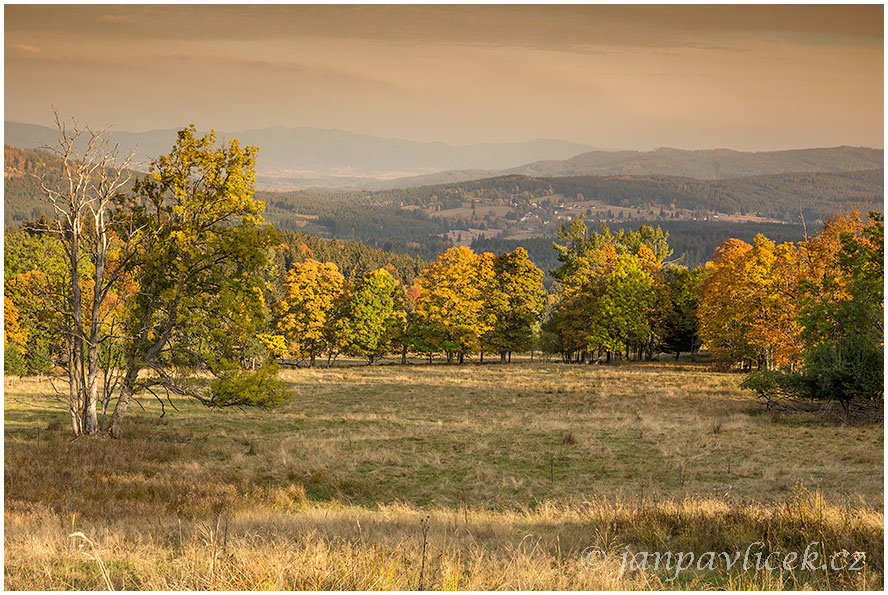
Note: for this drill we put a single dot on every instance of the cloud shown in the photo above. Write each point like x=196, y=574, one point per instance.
x=118, y=19
x=24, y=50
x=292, y=70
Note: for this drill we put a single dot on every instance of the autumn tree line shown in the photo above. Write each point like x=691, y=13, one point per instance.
x=176, y=285
x=461, y=304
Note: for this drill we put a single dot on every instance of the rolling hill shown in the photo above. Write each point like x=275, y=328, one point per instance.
x=322, y=156
x=710, y=164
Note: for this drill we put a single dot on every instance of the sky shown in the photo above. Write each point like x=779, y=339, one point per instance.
x=632, y=77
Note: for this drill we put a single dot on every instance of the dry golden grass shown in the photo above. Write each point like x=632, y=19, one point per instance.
x=519, y=469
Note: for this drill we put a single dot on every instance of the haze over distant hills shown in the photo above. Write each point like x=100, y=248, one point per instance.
x=294, y=158
x=319, y=154
x=709, y=164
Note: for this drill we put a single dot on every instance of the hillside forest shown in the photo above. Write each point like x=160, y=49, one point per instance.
x=179, y=277
x=515, y=210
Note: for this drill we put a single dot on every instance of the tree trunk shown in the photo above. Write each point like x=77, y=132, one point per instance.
x=403, y=355
x=90, y=420
x=81, y=394
x=502, y=357
x=126, y=395
x=311, y=362
x=461, y=354
x=846, y=408
x=73, y=398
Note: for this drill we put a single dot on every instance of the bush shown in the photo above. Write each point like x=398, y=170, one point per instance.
x=244, y=388
x=846, y=369
x=774, y=385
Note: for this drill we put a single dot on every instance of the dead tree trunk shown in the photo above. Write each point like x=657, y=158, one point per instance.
x=91, y=178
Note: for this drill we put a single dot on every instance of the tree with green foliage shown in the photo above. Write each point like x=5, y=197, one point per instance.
x=25, y=292
x=515, y=300
x=14, y=339
x=845, y=357
x=623, y=306
x=374, y=314
x=196, y=246
x=611, y=290
x=678, y=321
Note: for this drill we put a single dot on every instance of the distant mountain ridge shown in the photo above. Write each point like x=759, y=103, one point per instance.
x=307, y=152
x=293, y=158
x=705, y=164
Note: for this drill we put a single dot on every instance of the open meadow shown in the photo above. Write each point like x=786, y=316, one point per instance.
x=442, y=477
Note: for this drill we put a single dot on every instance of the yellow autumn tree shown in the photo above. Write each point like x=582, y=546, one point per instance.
x=306, y=315
x=770, y=277
x=452, y=300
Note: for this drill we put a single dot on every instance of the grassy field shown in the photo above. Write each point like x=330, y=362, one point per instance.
x=442, y=477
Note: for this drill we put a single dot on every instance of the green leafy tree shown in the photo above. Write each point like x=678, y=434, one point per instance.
x=611, y=290
x=622, y=307
x=14, y=339
x=195, y=245
x=845, y=358
x=678, y=321
x=516, y=299
x=374, y=314
x=40, y=323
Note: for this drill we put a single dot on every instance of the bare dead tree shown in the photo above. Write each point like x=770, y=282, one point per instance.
x=93, y=174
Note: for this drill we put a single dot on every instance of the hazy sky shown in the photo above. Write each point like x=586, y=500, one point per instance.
x=747, y=77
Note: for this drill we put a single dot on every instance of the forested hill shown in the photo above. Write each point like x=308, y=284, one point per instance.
x=709, y=164
x=21, y=186
x=778, y=196
x=416, y=221
x=23, y=170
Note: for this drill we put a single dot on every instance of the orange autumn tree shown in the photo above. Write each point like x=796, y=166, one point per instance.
x=724, y=328
x=750, y=302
